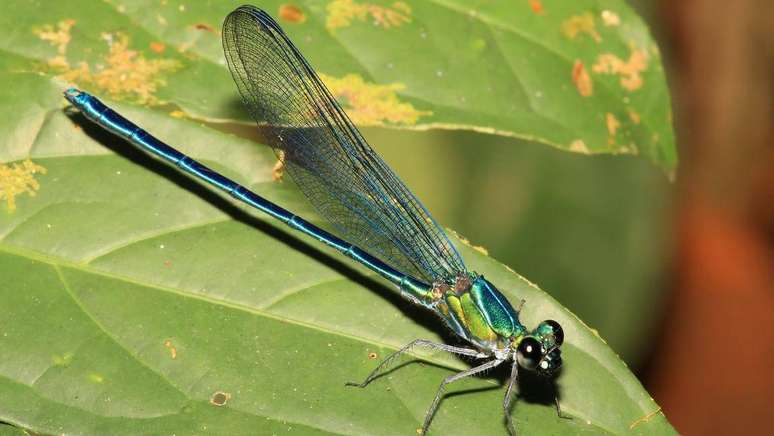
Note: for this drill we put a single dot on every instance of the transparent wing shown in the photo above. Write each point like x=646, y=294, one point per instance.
x=325, y=154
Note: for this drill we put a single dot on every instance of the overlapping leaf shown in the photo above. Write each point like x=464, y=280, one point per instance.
x=583, y=76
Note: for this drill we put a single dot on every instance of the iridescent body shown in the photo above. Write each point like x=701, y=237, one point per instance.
x=387, y=229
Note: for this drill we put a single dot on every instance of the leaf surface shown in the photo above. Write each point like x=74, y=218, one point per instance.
x=135, y=300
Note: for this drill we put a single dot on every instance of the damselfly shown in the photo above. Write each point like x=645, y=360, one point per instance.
x=384, y=225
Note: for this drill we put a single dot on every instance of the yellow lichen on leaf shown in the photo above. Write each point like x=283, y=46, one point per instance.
x=123, y=73
x=634, y=116
x=278, y=170
x=630, y=71
x=59, y=37
x=644, y=419
x=18, y=179
x=369, y=104
x=630, y=149
x=610, y=18
x=612, y=124
x=581, y=79
x=578, y=146
x=126, y=73
x=579, y=24
x=172, y=349
x=341, y=13
x=481, y=249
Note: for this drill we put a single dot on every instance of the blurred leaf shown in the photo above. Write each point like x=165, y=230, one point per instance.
x=135, y=300
x=583, y=76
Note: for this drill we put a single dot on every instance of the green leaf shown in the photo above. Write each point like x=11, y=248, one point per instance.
x=137, y=301
x=584, y=76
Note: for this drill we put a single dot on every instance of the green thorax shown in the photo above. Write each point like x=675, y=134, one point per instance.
x=477, y=311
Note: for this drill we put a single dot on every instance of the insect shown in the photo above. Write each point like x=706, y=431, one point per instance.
x=384, y=226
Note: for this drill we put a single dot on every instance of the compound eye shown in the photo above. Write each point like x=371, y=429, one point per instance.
x=550, y=364
x=529, y=353
x=557, y=331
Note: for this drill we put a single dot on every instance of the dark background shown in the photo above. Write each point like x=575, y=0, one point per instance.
x=712, y=368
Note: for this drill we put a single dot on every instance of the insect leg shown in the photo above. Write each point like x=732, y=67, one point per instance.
x=415, y=343
x=450, y=379
x=508, y=400
x=559, y=410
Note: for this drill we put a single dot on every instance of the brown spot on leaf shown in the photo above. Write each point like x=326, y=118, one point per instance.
x=205, y=27
x=291, y=14
x=581, y=79
x=372, y=355
x=580, y=24
x=630, y=70
x=158, y=47
x=536, y=6
x=220, y=398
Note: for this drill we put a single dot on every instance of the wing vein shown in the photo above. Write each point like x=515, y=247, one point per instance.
x=325, y=154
